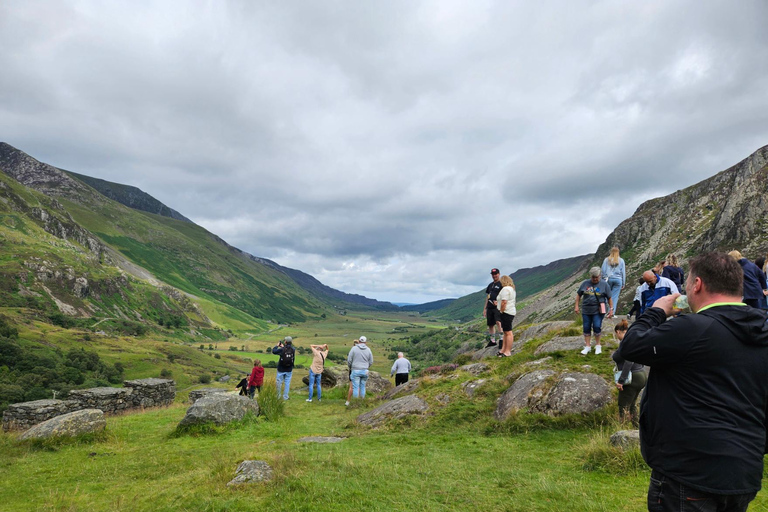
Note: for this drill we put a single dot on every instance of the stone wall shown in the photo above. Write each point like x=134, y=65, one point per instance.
x=136, y=394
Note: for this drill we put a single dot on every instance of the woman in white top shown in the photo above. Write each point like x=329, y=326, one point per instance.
x=506, y=305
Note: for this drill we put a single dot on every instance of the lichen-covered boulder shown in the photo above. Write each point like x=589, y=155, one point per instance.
x=561, y=344
x=328, y=379
x=403, y=389
x=475, y=369
x=523, y=393
x=68, y=425
x=398, y=408
x=252, y=471
x=626, y=439
x=576, y=393
x=197, y=394
x=377, y=384
x=219, y=408
x=543, y=328
x=471, y=386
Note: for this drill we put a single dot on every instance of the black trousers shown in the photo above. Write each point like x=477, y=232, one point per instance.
x=401, y=378
x=667, y=495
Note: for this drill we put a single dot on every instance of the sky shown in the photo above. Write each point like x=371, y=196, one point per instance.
x=396, y=149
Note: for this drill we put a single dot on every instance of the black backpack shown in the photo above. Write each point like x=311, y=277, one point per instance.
x=287, y=356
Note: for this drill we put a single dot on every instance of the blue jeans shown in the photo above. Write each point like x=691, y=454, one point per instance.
x=592, y=323
x=358, y=377
x=615, y=283
x=314, y=378
x=283, y=377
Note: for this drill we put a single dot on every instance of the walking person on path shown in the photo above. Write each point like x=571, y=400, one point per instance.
x=594, y=294
x=319, y=353
x=614, y=271
x=359, y=359
x=284, y=365
x=703, y=413
x=400, y=369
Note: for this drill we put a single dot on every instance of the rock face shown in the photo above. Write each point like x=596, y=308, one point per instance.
x=541, y=329
x=489, y=352
x=626, y=439
x=197, y=394
x=68, y=425
x=470, y=387
x=252, y=471
x=398, y=408
x=545, y=392
x=403, y=389
x=219, y=408
x=475, y=369
x=561, y=344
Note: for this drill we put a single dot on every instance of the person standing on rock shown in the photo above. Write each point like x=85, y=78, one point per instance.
x=359, y=359
x=632, y=372
x=654, y=288
x=594, y=294
x=284, y=365
x=490, y=311
x=507, y=312
x=400, y=369
x=319, y=353
x=256, y=379
x=703, y=414
x=614, y=271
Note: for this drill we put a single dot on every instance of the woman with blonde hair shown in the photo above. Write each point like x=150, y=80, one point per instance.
x=674, y=272
x=506, y=302
x=614, y=271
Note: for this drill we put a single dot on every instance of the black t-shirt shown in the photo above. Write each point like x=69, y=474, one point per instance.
x=493, y=291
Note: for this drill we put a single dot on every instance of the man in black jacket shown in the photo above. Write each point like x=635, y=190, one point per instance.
x=703, y=414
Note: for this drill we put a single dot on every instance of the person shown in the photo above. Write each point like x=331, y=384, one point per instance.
x=653, y=288
x=659, y=268
x=400, y=369
x=507, y=312
x=490, y=311
x=319, y=353
x=628, y=393
x=359, y=359
x=703, y=413
x=284, y=365
x=674, y=272
x=349, y=375
x=256, y=380
x=593, y=294
x=614, y=271
x=636, y=301
x=760, y=262
x=243, y=385
x=755, y=287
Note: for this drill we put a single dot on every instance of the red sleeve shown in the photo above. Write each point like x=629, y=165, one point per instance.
x=252, y=377
x=259, y=371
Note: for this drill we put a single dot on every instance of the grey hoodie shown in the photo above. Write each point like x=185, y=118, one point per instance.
x=360, y=357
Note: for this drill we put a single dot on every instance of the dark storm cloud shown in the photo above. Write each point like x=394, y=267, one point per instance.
x=396, y=149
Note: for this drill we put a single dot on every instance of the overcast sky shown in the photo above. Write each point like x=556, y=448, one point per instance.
x=396, y=149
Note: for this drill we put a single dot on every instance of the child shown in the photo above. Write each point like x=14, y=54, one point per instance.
x=243, y=385
x=256, y=379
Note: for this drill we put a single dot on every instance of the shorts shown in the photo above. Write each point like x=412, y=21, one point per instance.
x=491, y=316
x=506, y=322
x=592, y=323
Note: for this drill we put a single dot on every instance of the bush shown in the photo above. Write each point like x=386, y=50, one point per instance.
x=217, y=356
x=271, y=406
x=165, y=373
x=270, y=364
x=462, y=359
x=205, y=378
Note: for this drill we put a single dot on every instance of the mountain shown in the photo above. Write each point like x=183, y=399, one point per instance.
x=528, y=281
x=428, y=306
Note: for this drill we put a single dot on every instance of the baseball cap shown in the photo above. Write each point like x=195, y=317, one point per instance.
x=363, y=339
x=494, y=271
x=288, y=339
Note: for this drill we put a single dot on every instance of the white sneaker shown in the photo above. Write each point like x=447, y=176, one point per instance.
x=598, y=349
x=585, y=350
x=309, y=399
x=346, y=403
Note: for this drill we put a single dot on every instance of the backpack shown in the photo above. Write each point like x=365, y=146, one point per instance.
x=287, y=357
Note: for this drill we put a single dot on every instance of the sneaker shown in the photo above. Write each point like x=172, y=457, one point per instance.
x=585, y=350
x=346, y=403
x=309, y=399
x=491, y=343
x=598, y=350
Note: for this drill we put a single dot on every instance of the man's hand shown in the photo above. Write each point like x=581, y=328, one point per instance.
x=668, y=304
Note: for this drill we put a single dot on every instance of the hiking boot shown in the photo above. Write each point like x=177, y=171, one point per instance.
x=586, y=350
x=598, y=350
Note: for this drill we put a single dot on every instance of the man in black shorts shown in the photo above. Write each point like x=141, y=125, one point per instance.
x=490, y=312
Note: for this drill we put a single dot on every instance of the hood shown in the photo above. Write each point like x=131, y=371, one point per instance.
x=362, y=347
x=748, y=324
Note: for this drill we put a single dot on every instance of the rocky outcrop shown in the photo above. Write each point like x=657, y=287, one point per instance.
x=403, y=389
x=470, y=387
x=541, y=329
x=375, y=385
x=399, y=408
x=220, y=409
x=252, y=471
x=525, y=392
x=561, y=344
x=72, y=424
x=328, y=379
x=475, y=369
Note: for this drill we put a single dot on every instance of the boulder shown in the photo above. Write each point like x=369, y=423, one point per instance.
x=398, y=408
x=377, y=384
x=524, y=392
x=538, y=362
x=560, y=344
x=493, y=351
x=541, y=329
x=328, y=379
x=403, y=389
x=471, y=386
x=576, y=393
x=196, y=394
x=252, y=471
x=219, y=408
x=68, y=425
x=625, y=439
x=225, y=378
x=443, y=398
x=475, y=369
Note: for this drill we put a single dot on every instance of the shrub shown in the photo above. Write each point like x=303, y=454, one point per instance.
x=165, y=373
x=205, y=378
x=271, y=406
x=217, y=356
x=462, y=359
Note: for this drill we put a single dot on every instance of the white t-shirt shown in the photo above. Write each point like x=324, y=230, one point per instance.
x=508, y=294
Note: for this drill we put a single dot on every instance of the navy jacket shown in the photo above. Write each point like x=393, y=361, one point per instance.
x=703, y=414
x=754, y=280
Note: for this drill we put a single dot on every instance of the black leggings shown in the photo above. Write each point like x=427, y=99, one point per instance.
x=635, y=309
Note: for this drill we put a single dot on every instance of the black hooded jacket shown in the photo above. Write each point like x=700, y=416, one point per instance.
x=703, y=414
